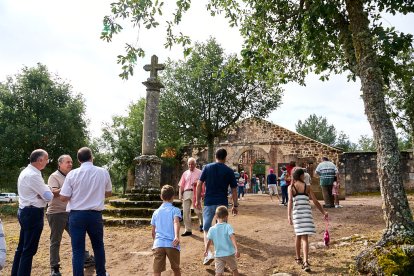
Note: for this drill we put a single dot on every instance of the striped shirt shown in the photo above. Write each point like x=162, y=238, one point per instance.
x=326, y=171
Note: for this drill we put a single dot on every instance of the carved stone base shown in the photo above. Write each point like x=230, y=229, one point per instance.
x=147, y=173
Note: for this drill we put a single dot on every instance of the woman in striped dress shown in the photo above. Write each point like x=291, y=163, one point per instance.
x=301, y=217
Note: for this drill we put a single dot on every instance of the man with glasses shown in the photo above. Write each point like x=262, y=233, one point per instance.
x=58, y=217
x=33, y=196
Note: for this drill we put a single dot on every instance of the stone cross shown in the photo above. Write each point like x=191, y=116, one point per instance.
x=150, y=131
x=154, y=67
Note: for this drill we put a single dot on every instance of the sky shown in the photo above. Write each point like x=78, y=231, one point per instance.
x=64, y=36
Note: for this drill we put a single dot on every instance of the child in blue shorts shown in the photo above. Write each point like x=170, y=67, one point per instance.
x=222, y=236
x=165, y=232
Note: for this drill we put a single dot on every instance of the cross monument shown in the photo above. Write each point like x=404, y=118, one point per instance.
x=148, y=165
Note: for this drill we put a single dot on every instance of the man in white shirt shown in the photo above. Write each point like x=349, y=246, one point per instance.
x=85, y=189
x=33, y=196
x=57, y=216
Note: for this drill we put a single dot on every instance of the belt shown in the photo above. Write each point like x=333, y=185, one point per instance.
x=31, y=206
x=188, y=190
x=86, y=211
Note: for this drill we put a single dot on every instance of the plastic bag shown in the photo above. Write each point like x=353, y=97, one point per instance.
x=326, y=238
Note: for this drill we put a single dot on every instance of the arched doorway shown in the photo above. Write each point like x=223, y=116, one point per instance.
x=253, y=161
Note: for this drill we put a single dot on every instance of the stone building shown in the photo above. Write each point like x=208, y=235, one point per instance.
x=257, y=142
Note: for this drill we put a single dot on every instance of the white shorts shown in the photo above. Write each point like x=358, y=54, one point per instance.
x=272, y=189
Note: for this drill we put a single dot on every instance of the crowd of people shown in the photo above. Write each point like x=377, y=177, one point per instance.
x=76, y=198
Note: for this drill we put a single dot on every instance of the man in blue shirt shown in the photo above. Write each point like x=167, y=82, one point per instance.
x=216, y=177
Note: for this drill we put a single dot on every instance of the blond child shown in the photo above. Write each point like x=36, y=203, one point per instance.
x=165, y=233
x=222, y=236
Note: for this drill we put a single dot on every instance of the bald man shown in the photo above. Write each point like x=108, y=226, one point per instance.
x=187, y=187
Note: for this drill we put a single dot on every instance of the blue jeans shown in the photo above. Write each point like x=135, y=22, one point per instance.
x=284, y=194
x=31, y=227
x=80, y=223
x=240, y=191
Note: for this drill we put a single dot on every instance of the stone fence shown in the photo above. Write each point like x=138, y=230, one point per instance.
x=358, y=171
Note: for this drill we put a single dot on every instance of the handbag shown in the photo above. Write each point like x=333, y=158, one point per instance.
x=326, y=238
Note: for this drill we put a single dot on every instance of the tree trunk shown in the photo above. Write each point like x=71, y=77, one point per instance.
x=210, y=145
x=397, y=214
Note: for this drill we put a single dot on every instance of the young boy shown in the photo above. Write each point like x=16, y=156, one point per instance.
x=222, y=236
x=165, y=233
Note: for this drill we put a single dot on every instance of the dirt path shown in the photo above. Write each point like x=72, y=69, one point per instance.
x=266, y=242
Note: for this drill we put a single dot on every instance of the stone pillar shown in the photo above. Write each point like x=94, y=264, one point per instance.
x=150, y=131
x=148, y=165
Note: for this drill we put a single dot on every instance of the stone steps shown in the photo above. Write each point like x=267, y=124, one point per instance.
x=131, y=222
x=128, y=212
x=143, y=197
x=128, y=222
x=123, y=203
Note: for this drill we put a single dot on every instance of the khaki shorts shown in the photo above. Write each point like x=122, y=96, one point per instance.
x=222, y=261
x=160, y=255
x=273, y=189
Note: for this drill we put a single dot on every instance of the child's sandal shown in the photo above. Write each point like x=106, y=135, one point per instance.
x=306, y=267
x=299, y=261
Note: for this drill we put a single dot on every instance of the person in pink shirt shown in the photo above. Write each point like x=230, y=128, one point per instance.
x=187, y=194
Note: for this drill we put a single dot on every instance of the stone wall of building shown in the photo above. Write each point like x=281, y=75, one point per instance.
x=278, y=144
x=359, y=171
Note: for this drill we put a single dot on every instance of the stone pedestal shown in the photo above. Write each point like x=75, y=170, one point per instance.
x=147, y=173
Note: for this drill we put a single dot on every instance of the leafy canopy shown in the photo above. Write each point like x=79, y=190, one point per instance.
x=318, y=129
x=122, y=140
x=209, y=92
x=38, y=110
x=285, y=40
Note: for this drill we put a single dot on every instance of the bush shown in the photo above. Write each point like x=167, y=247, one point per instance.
x=9, y=209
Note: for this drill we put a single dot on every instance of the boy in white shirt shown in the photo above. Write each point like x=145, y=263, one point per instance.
x=222, y=236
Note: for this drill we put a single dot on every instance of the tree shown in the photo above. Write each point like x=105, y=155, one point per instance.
x=208, y=93
x=38, y=110
x=399, y=87
x=285, y=40
x=366, y=143
x=343, y=142
x=318, y=129
x=122, y=139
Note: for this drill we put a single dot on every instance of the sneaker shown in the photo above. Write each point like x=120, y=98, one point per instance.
x=54, y=271
x=186, y=233
x=281, y=203
x=338, y=206
x=209, y=259
x=89, y=260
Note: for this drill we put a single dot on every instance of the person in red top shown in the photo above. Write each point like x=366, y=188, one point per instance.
x=288, y=177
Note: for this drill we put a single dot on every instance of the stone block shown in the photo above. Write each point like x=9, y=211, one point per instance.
x=147, y=172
